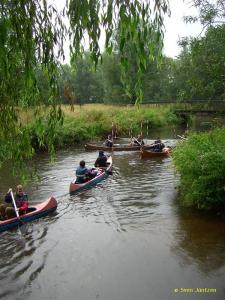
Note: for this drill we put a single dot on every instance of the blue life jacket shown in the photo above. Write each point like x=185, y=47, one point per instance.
x=81, y=174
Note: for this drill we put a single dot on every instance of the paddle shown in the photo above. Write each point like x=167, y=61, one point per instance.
x=181, y=137
x=138, y=142
x=21, y=223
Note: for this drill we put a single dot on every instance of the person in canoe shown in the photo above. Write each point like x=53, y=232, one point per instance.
x=83, y=174
x=158, y=145
x=109, y=141
x=21, y=200
x=101, y=161
x=138, y=141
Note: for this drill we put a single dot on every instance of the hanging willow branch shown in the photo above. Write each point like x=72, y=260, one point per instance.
x=30, y=33
x=139, y=23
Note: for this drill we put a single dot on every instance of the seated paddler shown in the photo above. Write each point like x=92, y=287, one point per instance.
x=83, y=174
x=138, y=141
x=158, y=145
x=109, y=141
x=101, y=161
x=21, y=199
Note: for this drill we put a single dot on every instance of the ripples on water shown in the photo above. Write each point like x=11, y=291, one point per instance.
x=102, y=229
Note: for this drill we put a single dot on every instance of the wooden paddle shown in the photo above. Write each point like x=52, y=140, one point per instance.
x=138, y=142
x=181, y=137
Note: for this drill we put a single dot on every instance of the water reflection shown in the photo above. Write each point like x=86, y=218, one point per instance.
x=119, y=240
x=20, y=262
x=200, y=240
x=138, y=193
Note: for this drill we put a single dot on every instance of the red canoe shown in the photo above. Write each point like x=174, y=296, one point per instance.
x=34, y=212
x=102, y=174
x=151, y=154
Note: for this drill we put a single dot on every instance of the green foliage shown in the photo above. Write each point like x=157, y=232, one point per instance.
x=29, y=32
x=200, y=67
x=139, y=25
x=105, y=84
x=95, y=122
x=210, y=12
x=32, y=34
x=200, y=161
x=111, y=80
x=159, y=81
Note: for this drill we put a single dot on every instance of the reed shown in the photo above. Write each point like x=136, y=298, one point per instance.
x=94, y=121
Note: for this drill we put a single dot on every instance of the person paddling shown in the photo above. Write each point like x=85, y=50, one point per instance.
x=158, y=145
x=138, y=141
x=84, y=174
x=109, y=141
x=21, y=200
x=101, y=160
x=81, y=172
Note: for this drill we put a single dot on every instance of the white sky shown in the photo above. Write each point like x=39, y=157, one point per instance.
x=177, y=28
x=174, y=26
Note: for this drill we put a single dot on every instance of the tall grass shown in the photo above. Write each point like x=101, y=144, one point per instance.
x=91, y=122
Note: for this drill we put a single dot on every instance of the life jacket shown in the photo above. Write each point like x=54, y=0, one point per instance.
x=81, y=174
x=21, y=201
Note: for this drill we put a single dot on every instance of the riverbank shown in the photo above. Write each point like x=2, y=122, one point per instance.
x=96, y=121
x=200, y=160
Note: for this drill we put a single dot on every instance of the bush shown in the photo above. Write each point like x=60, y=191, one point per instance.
x=200, y=161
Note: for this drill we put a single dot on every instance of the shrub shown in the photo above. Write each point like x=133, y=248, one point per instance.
x=200, y=161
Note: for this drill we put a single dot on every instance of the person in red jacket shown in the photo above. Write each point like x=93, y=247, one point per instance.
x=21, y=200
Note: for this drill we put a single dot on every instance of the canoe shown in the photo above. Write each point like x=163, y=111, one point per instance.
x=102, y=174
x=151, y=154
x=117, y=147
x=34, y=212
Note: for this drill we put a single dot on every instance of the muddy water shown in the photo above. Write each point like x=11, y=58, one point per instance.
x=126, y=239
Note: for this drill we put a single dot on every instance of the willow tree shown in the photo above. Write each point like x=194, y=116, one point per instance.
x=32, y=34
x=29, y=32
x=210, y=13
x=138, y=23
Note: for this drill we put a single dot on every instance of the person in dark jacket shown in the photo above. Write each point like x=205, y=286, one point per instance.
x=83, y=173
x=101, y=160
x=109, y=142
x=21, y=200
x=158, y=145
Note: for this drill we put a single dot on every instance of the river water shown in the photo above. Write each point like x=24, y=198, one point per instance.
x=125, y=239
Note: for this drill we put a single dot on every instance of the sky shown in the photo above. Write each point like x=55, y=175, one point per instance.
x=175, y=27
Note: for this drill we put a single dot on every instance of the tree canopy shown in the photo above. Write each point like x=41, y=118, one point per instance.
x=32, y=34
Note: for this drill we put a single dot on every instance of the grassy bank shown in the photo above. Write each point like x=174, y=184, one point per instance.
x=45, y=130
x=91, y=122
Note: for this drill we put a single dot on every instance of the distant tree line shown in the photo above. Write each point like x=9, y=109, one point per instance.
x=198, y=73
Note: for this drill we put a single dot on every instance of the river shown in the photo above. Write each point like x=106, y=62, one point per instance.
x=126, y=239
